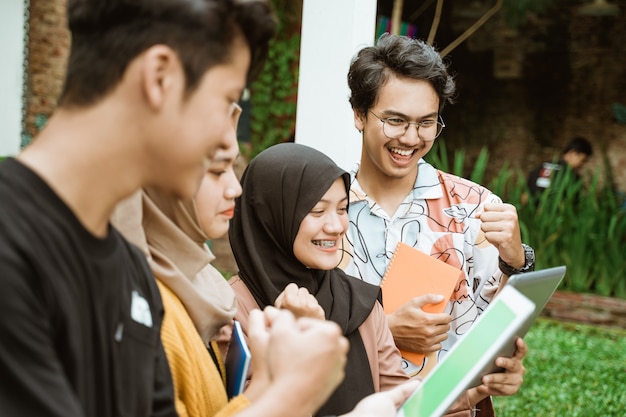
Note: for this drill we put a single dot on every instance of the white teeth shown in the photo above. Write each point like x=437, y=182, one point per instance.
x=403, y=152
x=324, y=243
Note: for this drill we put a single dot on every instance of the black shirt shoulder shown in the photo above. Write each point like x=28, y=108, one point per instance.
x=80, y=316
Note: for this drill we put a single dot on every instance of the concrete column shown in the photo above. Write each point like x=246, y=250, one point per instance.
x=332, y=32
x=11, y=75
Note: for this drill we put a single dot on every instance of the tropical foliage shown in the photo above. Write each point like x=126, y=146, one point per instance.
x=580, y=225
x=273, y=94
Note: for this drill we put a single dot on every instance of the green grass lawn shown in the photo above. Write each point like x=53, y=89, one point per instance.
x=571, y=370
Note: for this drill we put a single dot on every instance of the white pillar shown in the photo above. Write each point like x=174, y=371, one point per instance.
x=332, y=32
x=11, y=75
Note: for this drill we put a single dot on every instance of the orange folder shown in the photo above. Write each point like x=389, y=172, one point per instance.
x=412, y=273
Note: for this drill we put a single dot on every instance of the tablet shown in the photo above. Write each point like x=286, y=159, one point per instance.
x=480, y=346
x=538, y=286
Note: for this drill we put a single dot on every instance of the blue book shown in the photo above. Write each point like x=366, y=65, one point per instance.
x=237, y=362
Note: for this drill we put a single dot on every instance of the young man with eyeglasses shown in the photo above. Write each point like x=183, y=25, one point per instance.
x=398, y=89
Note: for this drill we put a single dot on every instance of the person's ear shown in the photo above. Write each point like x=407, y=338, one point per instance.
x=160, y=69
x=359, y=120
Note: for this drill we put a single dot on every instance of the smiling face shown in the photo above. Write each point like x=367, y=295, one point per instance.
x=400, y=98
x=319, y=237
x=215, y=200
x=193, y=128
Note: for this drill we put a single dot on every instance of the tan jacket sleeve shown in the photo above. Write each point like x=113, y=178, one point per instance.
x=245, y=301
x=384, y=357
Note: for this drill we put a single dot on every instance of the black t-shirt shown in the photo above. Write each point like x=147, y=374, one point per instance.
x=540, y=177
x=80, y=316
x=548, y=174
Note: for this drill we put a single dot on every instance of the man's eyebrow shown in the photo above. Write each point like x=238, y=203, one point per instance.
x=388, y=113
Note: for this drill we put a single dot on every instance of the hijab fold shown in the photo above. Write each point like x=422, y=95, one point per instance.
x=168, y=231
x=280, y=187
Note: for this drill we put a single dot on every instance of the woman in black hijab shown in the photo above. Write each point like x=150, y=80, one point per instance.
x=281, y=186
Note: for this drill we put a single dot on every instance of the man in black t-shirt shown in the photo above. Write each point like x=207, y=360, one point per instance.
x=79, y=313
x=146, y=99
x=573, y=157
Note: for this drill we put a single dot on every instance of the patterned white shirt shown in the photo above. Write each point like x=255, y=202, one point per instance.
x=438, y=217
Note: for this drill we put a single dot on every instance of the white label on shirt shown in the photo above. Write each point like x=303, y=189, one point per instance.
x=543, y=182
x=140, y=310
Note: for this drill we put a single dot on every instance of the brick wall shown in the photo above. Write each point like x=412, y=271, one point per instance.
x=48, y=48
x=587, y=308
x=573, y=71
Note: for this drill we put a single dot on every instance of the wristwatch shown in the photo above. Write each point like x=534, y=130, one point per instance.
x=529, y=265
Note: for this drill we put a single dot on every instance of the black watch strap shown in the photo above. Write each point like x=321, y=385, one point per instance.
x=529, y=264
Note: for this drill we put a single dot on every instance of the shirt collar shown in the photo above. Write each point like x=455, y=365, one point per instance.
x=426, y=184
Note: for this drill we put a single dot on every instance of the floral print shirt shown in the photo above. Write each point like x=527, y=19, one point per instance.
x=438, y=217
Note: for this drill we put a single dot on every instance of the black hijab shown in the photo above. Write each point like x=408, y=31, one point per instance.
x=280, y=187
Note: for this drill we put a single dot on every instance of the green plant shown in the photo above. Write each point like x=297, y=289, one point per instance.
x=438, y=157
x=516, y=12
x=582, y=227
x=40, y=121
x=273, y=95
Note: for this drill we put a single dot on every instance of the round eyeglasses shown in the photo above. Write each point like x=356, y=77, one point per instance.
x=395, y=127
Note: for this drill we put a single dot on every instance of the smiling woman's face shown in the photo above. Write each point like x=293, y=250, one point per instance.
x=319, y=236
